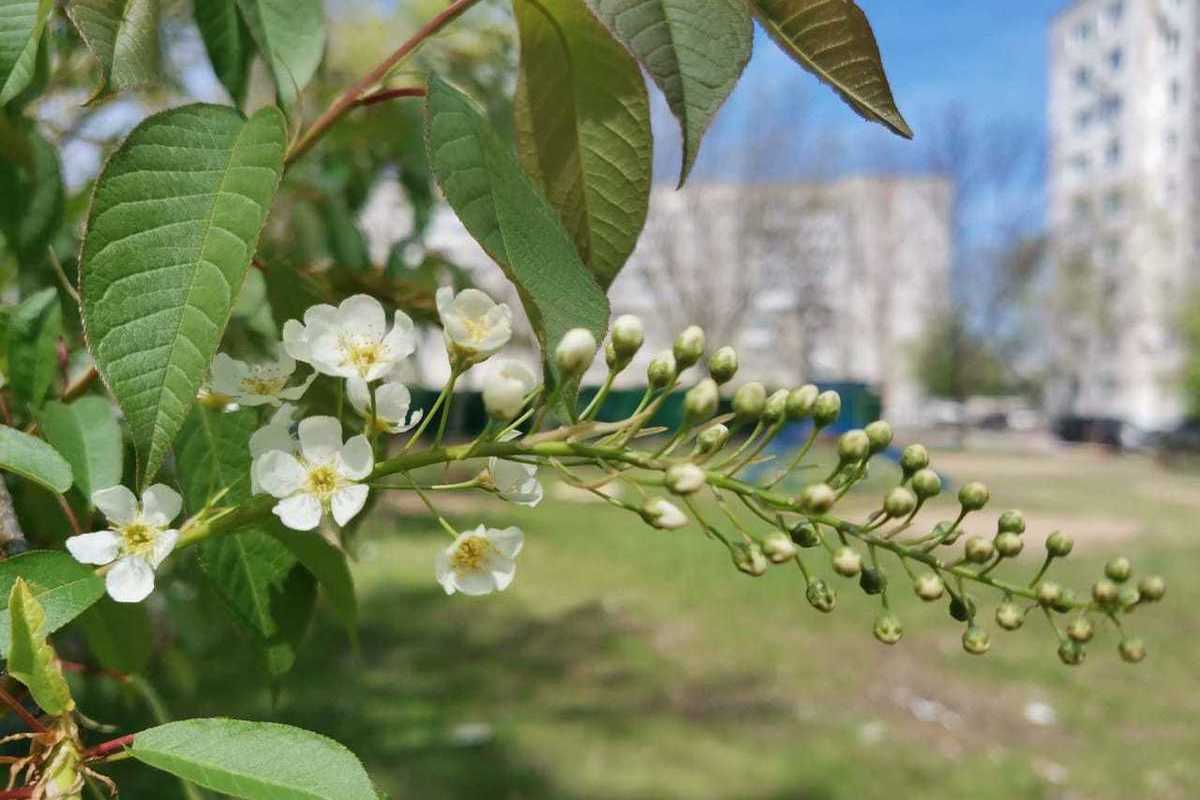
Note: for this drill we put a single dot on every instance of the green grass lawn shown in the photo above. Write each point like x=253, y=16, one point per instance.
x=630, y=663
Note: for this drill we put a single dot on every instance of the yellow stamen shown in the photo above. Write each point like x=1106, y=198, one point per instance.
x=471, y=553
x=138, y=537
x=323, y=481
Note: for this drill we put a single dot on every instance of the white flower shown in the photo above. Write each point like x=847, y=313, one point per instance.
x=392, y=403
x=275, y=435
x=475, y=326
x=255, y=384
x=663, y=514
x=516, y=482
x=575, y=351
x=323, y=476
x=480, y=561
x=137, y=541
x=505, y=390
x=352, y=340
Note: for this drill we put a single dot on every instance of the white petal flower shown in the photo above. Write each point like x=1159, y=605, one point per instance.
x=480, y=561
x=505, y=390
x=352, y=340
x=392, y=404
x=320, y=475
x=275, y=435
x=663, y=514
x=475, y=326
x=255, y=384
x=516, y=482
x=136, y=544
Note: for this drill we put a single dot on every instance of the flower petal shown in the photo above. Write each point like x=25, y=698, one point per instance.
x=161, y=504
x=328, y=357
x=278, y=473
x=131, y=580
x=441, y=568
x=320, y=438
x=503, y=571
x=163, y=546
x=347, y=502
x=300, y=512
x=271, y=437
x=392, y=401
x=101, y=547
x=117, y=503
x=227, y=374
x=508, y=542
x=356, y=459
x=445, y=299
x=295, y=340
x=401, y=341
x=359, y=395
x=474, y=582
x=297, y=391
x=362, y=315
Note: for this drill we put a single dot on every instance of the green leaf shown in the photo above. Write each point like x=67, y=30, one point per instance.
x=21, y=26
x=31, y=659
x=255, y=760
x=833, y=40
x=583, y=133
x=33, y=459
x=173, y=225
x=123, y=36
x=291, y=36
x=86, y=433
x=328, y=564
x=228, y=42
x=31, y=194
x=292, y=607
x=212, y=455
x=63, y=587
x=511, y=220
x=119, y=635
x=248, y=568
x=33, y=334
x=694, y=50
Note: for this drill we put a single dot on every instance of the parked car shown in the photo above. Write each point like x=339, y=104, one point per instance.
x=1181, y=441
x=1109, y=431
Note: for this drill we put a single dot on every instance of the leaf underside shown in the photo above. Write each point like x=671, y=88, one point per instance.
x=291, y=36
x=123, y=36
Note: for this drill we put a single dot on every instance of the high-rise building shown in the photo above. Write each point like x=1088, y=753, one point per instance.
x=1123, y=169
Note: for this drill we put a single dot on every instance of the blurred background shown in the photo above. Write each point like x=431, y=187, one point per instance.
x=1016, y=288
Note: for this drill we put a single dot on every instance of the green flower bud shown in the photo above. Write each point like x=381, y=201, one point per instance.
x=1009, y=616
x=1009, y=544
x=689, y=346
x=701, y=401
x=749, y=401
x=611, y=359
x=1080, y=629
x=979, y=550
x=1152, y=588
x=661, y=372
x=914, y=457
x=778, y=547
x=929, y=587
x=872, y=581
x=1048, y=593
x=1105, y=592
x=820, y=596
x=826, y=408
x=723, y=365
x=1059, y=544
x=1128, y=597
x=627, y=337
x=776, y=408
x=817, y=498
x=962, y=607
x=847, y=562
x=926, y=484
x=1011, y=522
x=805, y=535
x=575, y=351
x=975, y=640
x=1071, y=653
x=1119, y=569
x=749, y=559
x=899, y=502
x=1132, y=650
x=800, y=401
x=880, y=434
x=686, y=479
x=888, y=628
x=713, y=438
x=1065, y=602
x=853, y=446
x=973, y=496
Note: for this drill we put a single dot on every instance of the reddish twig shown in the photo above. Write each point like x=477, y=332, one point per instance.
x=106, y=749
x=80, y=384
x=19, y=709
x=87, y=669
x=390, y=94
x=16, y=794
x=69, y=512
x=347, y=99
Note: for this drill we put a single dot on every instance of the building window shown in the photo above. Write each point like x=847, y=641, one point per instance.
x=1116, y=11
x=1112, y=153
x=1174, y=92
x=1110, y=106
x=1115, y=57
x=1113, y=200
x=1083, y=77
x=1081, y=208
x=1171, y=40
x=1080, y=163
x=1082, y=119
x=1084, y=30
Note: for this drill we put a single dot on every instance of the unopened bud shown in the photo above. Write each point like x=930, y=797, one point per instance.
x=826, y=408
x=663, y=514
x=1128, y=597
x=1059, y=544
x=661, y=371
x=979, y=550
x=686, y=479
x=776, y=408
x=779, y=547
x=962, y=607
x=1119, y=569
x=853, y=446
x=1132, y=650
x=1081, y=629
x=1066, y=601
x=749, y=401
x=818, y=498
x=1152, y=588
x=627, y=337
x=575, y=351
x=723, y=365
x=1009, y=545
x=713, y=438
x=804, y=534
x=973, y=496
x=880, y=435
x=913, y=458
x=926, y=484
x=701, y=401
x=976, y=640
x=1011, y=522
x=872, y=581
x=689, y=346
x=1048, y=593
x=1071, y=653
x=929, y=587
x=847, y=562
x=1105, y=592
x=820, y=596
x=749, y=559
x=888, y=628
x=899, y=502
x=800, y=401
x=1009, y=616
